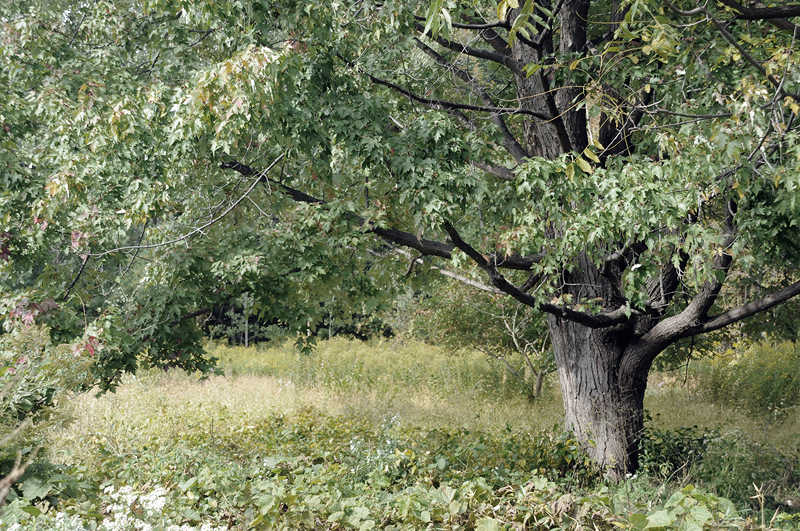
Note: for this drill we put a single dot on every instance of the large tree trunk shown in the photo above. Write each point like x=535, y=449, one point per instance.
x=603, y=372
x=604, y=407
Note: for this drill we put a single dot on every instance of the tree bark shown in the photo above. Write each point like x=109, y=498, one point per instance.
x=603, y=405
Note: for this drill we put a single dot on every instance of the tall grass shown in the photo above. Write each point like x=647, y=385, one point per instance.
x=424, y=385
x=418, y=384
x=413, y=383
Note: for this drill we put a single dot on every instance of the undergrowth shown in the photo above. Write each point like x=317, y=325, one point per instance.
x=386, y=436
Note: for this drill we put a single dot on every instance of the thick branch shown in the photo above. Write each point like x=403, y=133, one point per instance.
x=558, y=119
x=737, y=314
x=191, y=315
x=766, y=13
x=602, y=320
x=498, y=171
x=494, y=40
x=779, y=23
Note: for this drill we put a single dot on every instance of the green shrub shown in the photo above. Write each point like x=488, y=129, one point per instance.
x=728, y=464
x=664, y=454
x=36, y=380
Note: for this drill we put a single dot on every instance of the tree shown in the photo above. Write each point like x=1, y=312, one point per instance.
x=515, y=335
x=613, y=164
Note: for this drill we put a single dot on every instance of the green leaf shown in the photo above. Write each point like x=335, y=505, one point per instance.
x=660, y=519
x=638, y=520
x=31, y=510
x=35, y=487
x=446, y=15
x=585, y=166
x=488, y=524
x=588, y=153
x=676, y=498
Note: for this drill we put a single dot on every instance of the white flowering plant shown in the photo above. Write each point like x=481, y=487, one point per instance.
x=123, y=509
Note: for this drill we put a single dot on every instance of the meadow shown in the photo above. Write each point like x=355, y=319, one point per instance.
x=400, y=435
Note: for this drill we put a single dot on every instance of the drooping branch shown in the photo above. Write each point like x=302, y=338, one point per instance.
x=205, y=225
x=509, y=141
x=603, y=319
x=446, y=273
x=399, y=237
x=659, y=110
x=192, y=315
x=733, y=42
x=444, y=104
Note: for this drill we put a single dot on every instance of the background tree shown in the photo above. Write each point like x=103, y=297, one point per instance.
x=612, y=164
x=459, y=317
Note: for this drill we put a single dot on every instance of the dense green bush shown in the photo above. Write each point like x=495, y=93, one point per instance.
x=728, y=463
x=764, y=380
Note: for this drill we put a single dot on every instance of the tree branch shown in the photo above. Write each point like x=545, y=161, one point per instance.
x=405, y=239
x=75, y=280
x=488, y=25
x=455, y=276
x=779, y=23
x=205, y=225
x=768, y=13
x=445, y=105
x=728, y=37
x=16, y=473
x=498, y=171
x=495, y=57
x=509, y=141
x=737, y=314
x=601, y=320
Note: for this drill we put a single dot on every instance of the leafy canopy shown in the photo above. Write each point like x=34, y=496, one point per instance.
x=160, y=158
